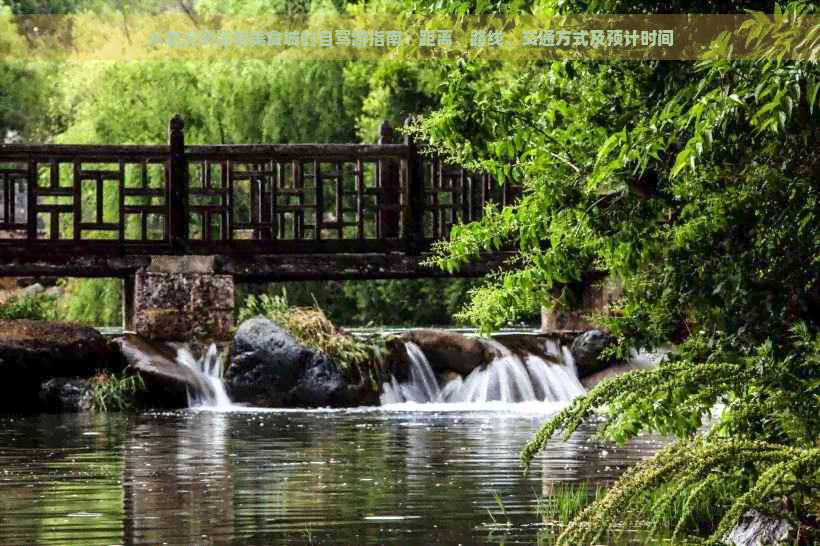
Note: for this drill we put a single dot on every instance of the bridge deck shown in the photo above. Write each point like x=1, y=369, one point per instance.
x=269, y=211
x=253, y=267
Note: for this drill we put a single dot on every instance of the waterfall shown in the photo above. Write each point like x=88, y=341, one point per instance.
x=507, y=378
x=208, y=371
x=422, y=387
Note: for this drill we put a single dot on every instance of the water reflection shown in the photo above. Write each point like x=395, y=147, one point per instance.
x=177, y=489
x=208, y=478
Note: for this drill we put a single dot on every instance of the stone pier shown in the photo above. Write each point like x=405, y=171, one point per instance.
x=179, y=298
x=596, y=298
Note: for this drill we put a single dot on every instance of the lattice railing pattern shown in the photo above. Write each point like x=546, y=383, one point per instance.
x=285, y=200
x=59, y=199
x=456, y=196
x=164, y=198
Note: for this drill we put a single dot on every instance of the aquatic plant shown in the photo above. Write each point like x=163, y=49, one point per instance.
x=502, y=511
x=114, y=392
x=567, y=500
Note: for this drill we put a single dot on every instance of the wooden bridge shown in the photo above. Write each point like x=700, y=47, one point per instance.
x=265, y=212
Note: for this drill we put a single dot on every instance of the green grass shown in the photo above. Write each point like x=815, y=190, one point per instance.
x=704, y=511
x=114, y=392
x=567, y=501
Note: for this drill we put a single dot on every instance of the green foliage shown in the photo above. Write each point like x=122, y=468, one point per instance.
x=33, y=307
x=695, y=185
x=312, y=328
x=690, y=473
x=96, y=302
x=407, y=302
x=116, y=392
x=390, y=91
x=27, y=91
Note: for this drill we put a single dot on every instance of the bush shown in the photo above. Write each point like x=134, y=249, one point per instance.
x=33, y=307
x=97, y=302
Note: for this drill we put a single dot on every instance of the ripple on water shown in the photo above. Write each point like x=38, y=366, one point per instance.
x=407, y=475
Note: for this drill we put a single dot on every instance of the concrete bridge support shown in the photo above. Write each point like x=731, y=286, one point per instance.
x=596, y=298
x=179, y=298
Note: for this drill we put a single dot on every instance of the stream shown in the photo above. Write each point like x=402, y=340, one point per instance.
x=409, y=474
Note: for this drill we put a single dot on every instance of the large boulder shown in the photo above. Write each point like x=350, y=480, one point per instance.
x=449, y=350
x=267, y=367
x=639, y=361
x=397, y=362
x=587, y=351
x=264, y=363
x=590, y=381
x=32, y=352
x=321, y=384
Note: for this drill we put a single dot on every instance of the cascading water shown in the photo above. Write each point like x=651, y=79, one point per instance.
x=506, y=379
x=208, y=371
x=422, y=386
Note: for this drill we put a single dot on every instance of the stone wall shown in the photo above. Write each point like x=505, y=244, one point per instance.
x=595, y=298
x=181, y=299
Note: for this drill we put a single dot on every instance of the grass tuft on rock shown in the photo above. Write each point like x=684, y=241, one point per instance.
x=311, y=327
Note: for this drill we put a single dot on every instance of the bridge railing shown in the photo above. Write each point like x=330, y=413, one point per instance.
x=209, y=199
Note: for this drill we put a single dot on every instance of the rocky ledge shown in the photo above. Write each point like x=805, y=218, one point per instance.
x=57, y=367
x=34, y=352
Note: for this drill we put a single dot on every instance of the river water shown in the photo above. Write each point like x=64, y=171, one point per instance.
x=402, y=474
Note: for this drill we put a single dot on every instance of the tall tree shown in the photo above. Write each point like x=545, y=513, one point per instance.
x=695, y=185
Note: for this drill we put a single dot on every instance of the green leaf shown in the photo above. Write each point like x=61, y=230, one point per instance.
x=680, y=162
x=812, y=94
x=767, y=108
x=608, y=145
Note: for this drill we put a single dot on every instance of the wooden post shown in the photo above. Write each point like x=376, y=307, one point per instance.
x=31, y=202
x=390, y=187
x=177, y=193
x=414, y=222
x=266, y=199
x=128, y=287
x=320, y=201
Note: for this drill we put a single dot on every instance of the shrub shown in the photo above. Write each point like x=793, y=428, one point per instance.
x=34, y=307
